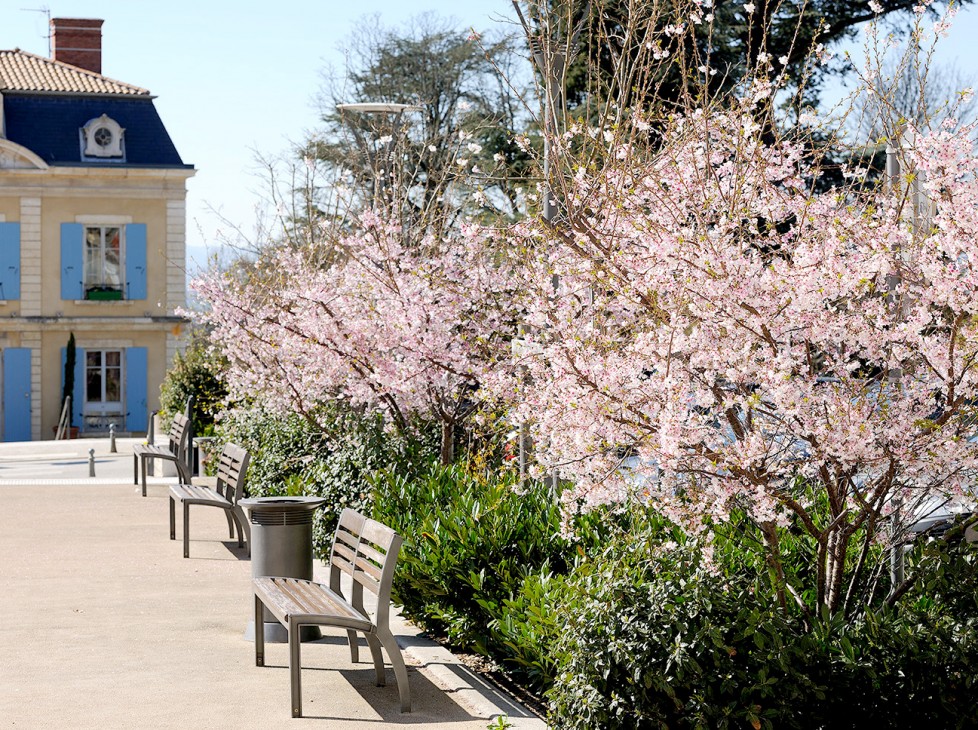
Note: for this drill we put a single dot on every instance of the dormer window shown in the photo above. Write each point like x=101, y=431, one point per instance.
x=101, y=138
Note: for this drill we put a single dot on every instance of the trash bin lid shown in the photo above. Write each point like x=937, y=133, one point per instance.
x=282, y=504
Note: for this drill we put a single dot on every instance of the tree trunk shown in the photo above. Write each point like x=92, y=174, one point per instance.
x=447, y=442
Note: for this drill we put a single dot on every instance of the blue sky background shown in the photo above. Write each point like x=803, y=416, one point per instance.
x=230, y=76
x=235, y=76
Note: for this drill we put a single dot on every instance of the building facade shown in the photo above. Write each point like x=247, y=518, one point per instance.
x=92, y=240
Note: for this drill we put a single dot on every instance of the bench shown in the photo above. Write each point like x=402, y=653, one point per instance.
x=231, y=470
x=178, y=440
x=366, y=551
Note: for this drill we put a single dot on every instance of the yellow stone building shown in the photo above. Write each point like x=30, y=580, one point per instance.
x=92, y=240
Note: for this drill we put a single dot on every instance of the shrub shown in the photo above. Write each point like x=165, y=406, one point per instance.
x=196, y=372
x=331, y=458
x=482, y=562
x=657, y=638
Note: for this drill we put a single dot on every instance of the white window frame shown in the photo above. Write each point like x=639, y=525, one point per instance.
x=97, y=414
x=104, y=222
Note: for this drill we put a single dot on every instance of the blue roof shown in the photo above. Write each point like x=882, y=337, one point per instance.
x=48, y=126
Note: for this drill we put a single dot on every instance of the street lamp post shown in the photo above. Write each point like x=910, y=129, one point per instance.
x=921, y=212
x=552, y=65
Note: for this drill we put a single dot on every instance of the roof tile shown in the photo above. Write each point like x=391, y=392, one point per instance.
x=22, y=71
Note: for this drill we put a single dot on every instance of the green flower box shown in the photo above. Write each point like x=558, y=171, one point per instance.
x=104, y=295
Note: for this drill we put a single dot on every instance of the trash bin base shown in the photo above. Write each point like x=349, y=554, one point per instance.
x=275, y=633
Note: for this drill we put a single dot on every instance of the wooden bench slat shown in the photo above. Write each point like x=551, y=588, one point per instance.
x=378, y=534
x=346, y=553
x=199, y=495
x=371, y=554
x=292, y=597
x=367, y=582
x=344, y=567
x=365, y=566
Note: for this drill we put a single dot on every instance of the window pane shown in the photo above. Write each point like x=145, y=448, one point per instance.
x=93, y=256
x=113, y=358
x=93, y=385
x=113, y=384
x=113, y=258
x=93, y=358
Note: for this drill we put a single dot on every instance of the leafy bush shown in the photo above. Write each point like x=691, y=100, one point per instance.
x=657, y=638
x=482, y=562
x=331, y=458
x=196, y=372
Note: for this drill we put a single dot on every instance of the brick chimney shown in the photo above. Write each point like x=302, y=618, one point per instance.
x=77, y=41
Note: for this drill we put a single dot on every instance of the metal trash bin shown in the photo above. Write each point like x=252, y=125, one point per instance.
x=281, y=545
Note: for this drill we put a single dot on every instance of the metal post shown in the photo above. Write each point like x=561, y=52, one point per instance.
x=522, y=438
x=896, y=549
x=552, y=65
x=91, y=462
x=151, y=439
x=190, y=436
x=895, y=374
x=112, y=448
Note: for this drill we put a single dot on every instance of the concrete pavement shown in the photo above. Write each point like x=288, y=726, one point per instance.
x=103, y=623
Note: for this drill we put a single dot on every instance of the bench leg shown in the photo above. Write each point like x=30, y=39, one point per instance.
x=135, y=468
x=378, y=658
x=244, y=526
x=227, y=513
x=354, y=645
x=400, y=671
x=173, y=519
x=295, y=675
x=259, y=633
x=186, y=529
x=142, y=462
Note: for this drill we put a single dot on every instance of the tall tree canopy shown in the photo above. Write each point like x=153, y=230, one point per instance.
x=455, y=152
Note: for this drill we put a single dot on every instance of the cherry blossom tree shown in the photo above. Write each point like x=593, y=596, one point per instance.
x=375, y=321
x=699, y=328
x=705, y=332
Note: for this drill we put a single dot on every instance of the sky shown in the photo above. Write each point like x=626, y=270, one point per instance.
x=231, y=77
x=236, y=77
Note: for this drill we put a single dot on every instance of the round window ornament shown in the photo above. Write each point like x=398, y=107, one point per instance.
x=102, y=138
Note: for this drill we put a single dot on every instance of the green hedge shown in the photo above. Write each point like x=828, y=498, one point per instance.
x=656, y=637
x=628, y=626
x=330, y=457
x=482, y=564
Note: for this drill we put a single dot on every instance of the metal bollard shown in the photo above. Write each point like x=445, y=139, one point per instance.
x=112, y=449
x=91, y=462
x=151, y=439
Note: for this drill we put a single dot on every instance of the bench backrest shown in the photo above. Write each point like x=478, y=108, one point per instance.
x=366, y=550
x=179, y=436
x=231, y=470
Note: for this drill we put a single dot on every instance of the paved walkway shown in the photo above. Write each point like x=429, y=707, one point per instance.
x=103, y=624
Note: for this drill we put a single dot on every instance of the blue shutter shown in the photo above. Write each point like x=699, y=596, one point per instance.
x=78, y=392
x=137, y=413
x=9, y=260
x=17, y=394
x=72, y=261
x=136, y=261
